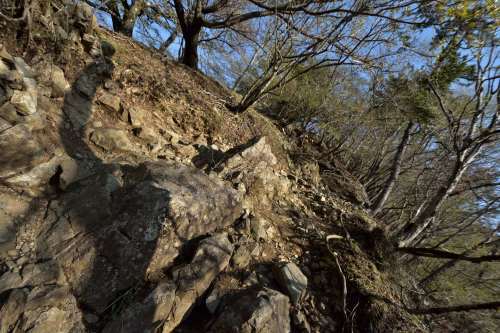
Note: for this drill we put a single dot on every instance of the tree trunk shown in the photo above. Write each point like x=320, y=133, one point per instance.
x=166, y=44
x=125, y=23
x=117, y=23
x=425, y=217
x=254, y=93
x=395, y=170
x=457, y=308
x=441, y=254
x=444, y=267
x=127, y=26
x=190, y=52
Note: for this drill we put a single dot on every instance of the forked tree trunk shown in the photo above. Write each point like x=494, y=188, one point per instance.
x=125, y=24
x=425, y=217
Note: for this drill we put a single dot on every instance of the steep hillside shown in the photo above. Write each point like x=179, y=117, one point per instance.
x=133, y=200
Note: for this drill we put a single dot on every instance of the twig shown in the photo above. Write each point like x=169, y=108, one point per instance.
x=341, y=274
x=344, y=286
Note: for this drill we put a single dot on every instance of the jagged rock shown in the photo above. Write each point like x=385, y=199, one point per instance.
x=4, y=55
x=171, y=300
x=147, y=134
x=241, y=257
x=23, y=68
x=292, y=280
x=24, y=101
x=20, y=151
x=4, y=124
x=40, y=174
x=261, y=228
x=35, y=122
x=11, y=206
x=253, y=154
x=93, y=76
x=116, y=229
x=91, y=44
x=213, y=300
x=31, y=275
x=54, y=76
x=111, y=139
x=12, y=310
x=9, y=113
x=110, y=101
x=78, y=109
x=45, y=309
x=255, y=165
x=254, y=311
x=70, y=172
x=4, y=96
x=135, y=117
x=4, y=69
x=300, y=321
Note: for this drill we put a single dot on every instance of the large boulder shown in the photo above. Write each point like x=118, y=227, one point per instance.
x=45, y=309
x=255, y=310
x=126, y=225
x=291, y=279
x=21, y=151
x=171, y=299
x=254, y=168
x=53, y=77
x=111, y=139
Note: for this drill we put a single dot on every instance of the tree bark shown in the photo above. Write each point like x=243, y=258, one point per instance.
x=191, y=25
x=395, y=170
x=130, y=17
x=190, y=52
x=440, y=254
x=425, y=217
x=457, y=308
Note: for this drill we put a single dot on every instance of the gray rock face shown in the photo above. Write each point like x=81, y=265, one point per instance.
x=255, y=167
x=112, y=231
x=11, y=206
x=42, y=310
x=54, y=78
x=24, y=101
x=40, y=174
x=110, y=101
x=172, y=299
x=254, y=311
x=136, y=117
x=292, y=280
x=261, y=228
x=111, y=139
x=23, y=68
x=20, y=151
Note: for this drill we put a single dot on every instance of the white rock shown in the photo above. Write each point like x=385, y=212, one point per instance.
x=24, y=101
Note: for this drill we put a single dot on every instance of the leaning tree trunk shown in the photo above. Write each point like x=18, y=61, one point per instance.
x=450, y=264
x=395, y=170
x=255, y=93
x=457, y=308
x=425, y=217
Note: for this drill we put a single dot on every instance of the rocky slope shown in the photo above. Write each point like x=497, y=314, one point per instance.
x=132, y=200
